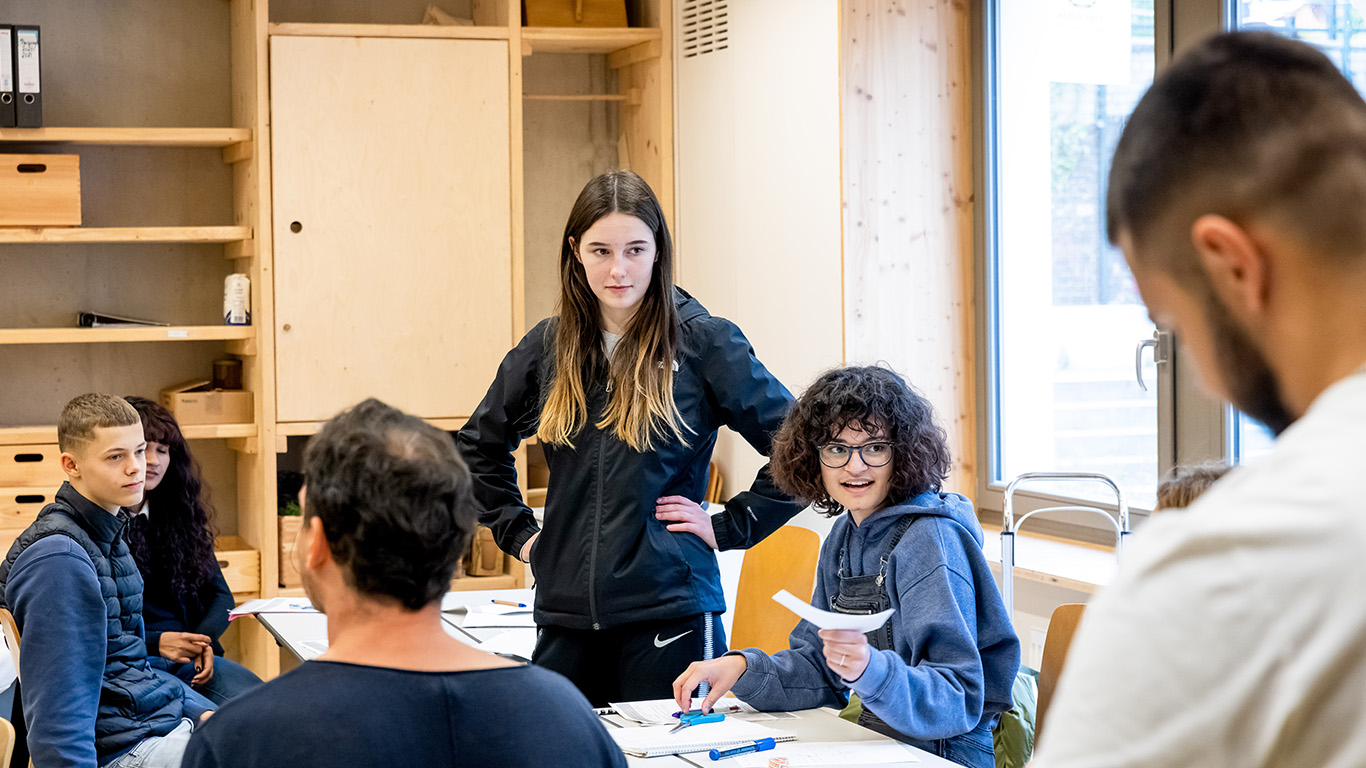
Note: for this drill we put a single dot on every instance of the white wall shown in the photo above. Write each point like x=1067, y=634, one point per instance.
x=758, y=223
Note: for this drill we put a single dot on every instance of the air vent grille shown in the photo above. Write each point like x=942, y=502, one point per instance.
x=705, y=27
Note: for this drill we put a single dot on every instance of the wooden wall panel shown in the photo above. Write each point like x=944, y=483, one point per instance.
x=907, y=144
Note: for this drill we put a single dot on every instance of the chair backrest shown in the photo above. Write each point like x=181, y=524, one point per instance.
x=11, y=631
x=6, y=743
x=784, y=560
x=1061, y=627
x=713, y=494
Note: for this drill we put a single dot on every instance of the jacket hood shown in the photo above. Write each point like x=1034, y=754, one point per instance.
x=933, y=503
x=688, y=308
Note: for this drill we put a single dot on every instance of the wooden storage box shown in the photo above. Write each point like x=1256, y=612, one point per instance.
x=20, y=506
x=31, y=466
x=486, y=559
x=289, y=530
x=240, y=563
x=40, y=190
x=195, y=403
x=574, y=13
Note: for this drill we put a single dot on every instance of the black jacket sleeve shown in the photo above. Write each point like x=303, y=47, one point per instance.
x=753, y=403
x=218, y=601
x=507, y=415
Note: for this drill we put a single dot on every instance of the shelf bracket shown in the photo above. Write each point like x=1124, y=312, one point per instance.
x=249, y=445
x=650, y=49
x=239, y=152
x=243, y=347
x=240, y=249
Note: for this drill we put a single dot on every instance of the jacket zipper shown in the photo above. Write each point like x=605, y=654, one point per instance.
x=593, y=552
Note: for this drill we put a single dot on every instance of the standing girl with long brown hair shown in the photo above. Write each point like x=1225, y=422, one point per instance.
x=625, y=387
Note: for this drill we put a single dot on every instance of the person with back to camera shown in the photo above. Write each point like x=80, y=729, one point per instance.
x=386, y=514
x=625, y=387
x=863, y=445
x=1235, y=634
x=186, y=600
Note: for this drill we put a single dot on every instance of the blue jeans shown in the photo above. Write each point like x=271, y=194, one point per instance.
x=229, y=679
x=157, y=751
x=973, y=749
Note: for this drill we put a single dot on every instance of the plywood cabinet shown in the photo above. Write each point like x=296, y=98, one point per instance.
x=392, y=224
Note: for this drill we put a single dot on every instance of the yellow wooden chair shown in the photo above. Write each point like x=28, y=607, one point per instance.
x=713, y=494
x=7, y=732
x=1062, y=627
x=784, y=560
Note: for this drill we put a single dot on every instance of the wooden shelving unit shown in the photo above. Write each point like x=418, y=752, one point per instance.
x=124, y=234
x=151, y=201
x=119, y=335
x=46, y=434
x=587, y=40
x=130, y=137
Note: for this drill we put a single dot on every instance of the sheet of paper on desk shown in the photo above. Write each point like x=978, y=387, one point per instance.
x=475, y=619
x=830, y=753
x=497, y=609
x=273, y=605
x=514, y=642
x=829, y=619
x=661, y=711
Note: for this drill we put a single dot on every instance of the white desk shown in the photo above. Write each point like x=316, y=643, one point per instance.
x=812, y=725
x=305, y=634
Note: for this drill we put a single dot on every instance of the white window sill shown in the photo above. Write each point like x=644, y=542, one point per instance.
x=1064, y=563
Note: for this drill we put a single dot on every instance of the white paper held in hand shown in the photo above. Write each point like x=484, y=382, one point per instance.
x=829, y=619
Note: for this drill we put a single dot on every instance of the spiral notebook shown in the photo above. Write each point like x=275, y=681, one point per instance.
x=655, y=740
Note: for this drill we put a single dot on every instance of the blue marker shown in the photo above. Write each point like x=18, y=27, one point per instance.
x=762, y=745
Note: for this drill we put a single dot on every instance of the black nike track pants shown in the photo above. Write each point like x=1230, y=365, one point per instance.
x=632, y=662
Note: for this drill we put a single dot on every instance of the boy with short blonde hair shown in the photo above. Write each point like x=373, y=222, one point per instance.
x=87, y=693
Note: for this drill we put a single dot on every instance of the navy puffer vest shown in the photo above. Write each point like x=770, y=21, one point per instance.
x=134, y=703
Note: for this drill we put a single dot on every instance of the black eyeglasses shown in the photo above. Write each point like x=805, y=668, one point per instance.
x=836, y=455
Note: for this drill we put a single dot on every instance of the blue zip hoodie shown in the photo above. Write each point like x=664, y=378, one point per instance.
x=956, y=652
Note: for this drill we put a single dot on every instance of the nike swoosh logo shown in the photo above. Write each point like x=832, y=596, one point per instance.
x=661, y=643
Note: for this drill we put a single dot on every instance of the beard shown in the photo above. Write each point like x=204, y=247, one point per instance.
x=1252, y=386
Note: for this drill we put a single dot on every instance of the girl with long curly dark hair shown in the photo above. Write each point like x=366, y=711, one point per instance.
x=185, y=597
x=863, y=445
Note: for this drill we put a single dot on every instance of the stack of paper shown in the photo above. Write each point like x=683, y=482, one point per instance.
x=273, y=605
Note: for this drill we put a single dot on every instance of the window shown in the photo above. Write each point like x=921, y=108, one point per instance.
x=1065, y=316
x=1060, y=317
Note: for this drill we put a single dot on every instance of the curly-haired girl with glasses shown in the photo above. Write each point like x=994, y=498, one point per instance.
x=862, y=445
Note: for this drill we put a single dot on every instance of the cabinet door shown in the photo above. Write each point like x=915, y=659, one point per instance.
x=392, y=222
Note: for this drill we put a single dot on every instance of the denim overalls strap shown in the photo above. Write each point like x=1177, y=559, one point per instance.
x=868, y=594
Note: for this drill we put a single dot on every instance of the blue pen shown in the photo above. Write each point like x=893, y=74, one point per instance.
x=762, y=745
x=509, y=603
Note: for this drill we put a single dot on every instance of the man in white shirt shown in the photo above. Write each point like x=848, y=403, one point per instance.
x=1235, y=634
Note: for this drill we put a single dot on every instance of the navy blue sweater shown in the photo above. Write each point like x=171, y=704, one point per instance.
x=329, y=714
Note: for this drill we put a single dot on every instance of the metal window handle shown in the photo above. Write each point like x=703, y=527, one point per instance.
x=1159, y=356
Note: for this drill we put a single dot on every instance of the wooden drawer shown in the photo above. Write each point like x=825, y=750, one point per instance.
x=20, y=506
x=240, y=563
x=31, y=466
x=40, y=190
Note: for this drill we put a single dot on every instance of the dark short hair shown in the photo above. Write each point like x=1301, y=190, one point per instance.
x=871, y=397
x=395, y=502
x=1245, y=125
x=1185, y=483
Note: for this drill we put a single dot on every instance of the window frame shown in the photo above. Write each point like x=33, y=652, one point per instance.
x=1191, y=427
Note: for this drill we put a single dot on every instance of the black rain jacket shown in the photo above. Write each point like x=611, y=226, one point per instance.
x=603, y=560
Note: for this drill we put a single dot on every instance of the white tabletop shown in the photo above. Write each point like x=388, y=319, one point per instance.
x=305, y=635
x=811, y=725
